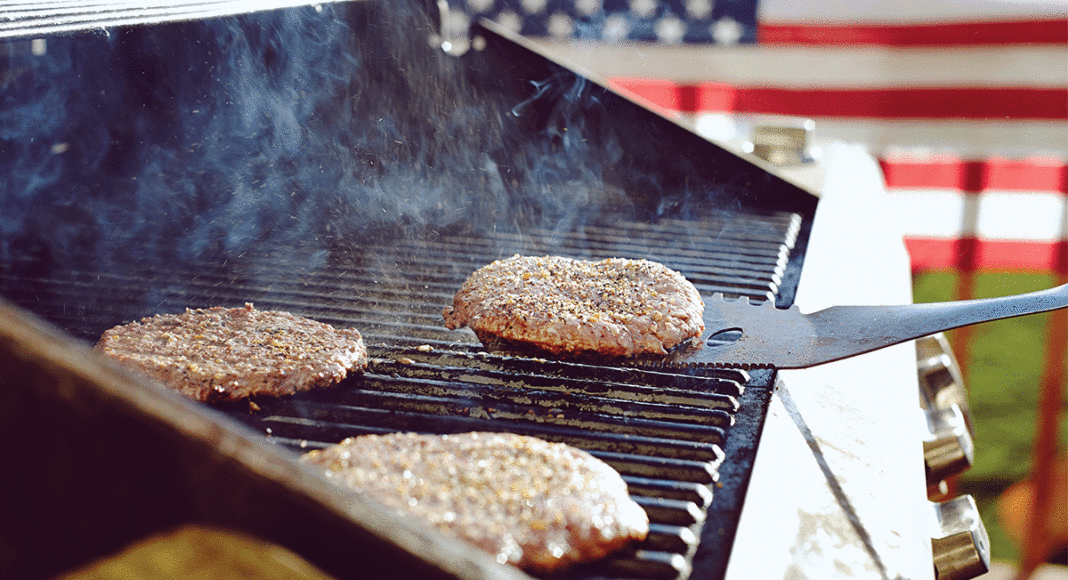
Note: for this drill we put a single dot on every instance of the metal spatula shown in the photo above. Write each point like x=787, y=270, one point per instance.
x=739, y=334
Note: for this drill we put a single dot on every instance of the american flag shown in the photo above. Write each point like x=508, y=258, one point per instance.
x=964, y=102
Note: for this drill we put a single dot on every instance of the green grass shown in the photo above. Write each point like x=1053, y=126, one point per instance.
x=1002, y=374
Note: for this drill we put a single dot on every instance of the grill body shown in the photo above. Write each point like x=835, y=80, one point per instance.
x=377, y=176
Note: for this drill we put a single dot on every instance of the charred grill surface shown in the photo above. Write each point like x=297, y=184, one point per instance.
x=683, y=440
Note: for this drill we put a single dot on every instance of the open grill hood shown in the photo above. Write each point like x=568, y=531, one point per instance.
x=341, y=193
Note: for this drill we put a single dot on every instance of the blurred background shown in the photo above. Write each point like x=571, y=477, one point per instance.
x=964, y=103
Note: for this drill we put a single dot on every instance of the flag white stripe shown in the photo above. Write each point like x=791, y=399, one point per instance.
x=881, y=11
x=1038, y=66
x=981, y=138
x=1022, y=216
x=1001, y=215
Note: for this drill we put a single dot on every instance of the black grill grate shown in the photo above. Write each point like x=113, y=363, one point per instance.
x=683, y=440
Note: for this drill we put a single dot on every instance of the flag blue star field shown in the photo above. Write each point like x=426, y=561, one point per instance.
x=661, y=21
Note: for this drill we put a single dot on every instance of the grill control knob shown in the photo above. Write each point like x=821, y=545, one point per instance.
x=948, y=450
x=941, y=385
x=959, y=544
x=782, y=141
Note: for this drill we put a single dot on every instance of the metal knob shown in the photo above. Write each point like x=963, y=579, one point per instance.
x=959, y=543
x=949, y=449
x=941, y=384
x=783, y=141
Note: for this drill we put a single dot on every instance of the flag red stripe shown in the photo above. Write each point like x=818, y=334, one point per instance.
x=994, y=103
x=659, y=94
x=943, y=253
x=1001, y=103
x=950, y=172
x=1002, y=32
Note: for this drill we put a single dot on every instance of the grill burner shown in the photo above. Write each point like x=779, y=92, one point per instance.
x=682, y=440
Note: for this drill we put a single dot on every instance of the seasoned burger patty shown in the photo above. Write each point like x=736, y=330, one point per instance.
x=614, y=307
x=538, y=505
x=220, y=354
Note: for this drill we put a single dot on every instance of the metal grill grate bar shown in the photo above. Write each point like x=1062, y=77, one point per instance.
x=41, y=19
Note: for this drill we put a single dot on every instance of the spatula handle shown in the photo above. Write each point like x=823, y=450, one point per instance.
x=892, y=324
x=787, y=339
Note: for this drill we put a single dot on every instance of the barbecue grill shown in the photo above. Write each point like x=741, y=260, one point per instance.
x=334, y=162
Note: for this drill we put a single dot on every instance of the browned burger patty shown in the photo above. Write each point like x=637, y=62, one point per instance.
x=538, y=505
x=220, y=354
x=614, y=307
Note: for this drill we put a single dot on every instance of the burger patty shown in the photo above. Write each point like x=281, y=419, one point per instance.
x=220, y=354
x=538, y=505
x=615, y=307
